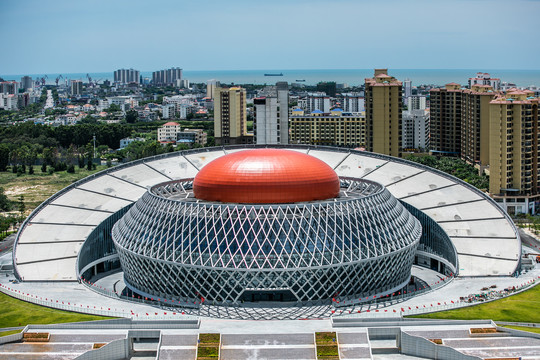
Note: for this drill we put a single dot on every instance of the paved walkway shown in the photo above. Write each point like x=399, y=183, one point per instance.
x=73, y=294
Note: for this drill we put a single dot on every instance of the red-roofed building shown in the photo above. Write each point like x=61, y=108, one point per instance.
x=168, y=132
x=485, y=79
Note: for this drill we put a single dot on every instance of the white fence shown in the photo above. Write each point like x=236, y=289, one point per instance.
x=150, y=314
x=436, y=306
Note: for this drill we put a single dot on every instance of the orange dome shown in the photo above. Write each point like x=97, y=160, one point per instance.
x=266, y=176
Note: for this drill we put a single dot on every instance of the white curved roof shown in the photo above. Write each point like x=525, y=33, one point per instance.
x=485, y=238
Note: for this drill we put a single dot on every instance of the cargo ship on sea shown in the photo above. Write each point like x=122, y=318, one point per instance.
x=280, y=74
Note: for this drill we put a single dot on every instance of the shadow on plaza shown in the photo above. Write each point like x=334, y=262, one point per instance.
x=284, y=311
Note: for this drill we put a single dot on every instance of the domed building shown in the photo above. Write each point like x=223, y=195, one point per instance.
x=266, y=225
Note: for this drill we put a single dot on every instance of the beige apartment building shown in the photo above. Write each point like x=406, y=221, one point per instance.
x=445, y=121
x=514, y=151
x=475, y=124
x=336, y=128
x=230, y=124
x=383, y=113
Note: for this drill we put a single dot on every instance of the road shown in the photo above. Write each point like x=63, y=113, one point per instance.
x=529, y=241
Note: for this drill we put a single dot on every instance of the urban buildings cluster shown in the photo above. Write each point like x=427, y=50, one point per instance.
x=497, y=131
x=489, y=123
x=172, y=132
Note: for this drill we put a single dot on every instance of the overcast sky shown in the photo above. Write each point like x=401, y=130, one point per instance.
x=65, y=36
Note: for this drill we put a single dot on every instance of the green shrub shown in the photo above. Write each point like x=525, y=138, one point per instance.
x=207, y=351
x=327, y=350
x=209, y=338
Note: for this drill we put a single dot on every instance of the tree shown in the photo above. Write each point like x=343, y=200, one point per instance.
x=20, y=204
x=132, y=116
x=81, y=161
x=5, y=204
x=113, y=108
x=102, y=149
x=88, y=120
x=4, y=157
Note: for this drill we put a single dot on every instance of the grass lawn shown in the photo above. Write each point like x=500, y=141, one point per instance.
x=522, y=307
x=11, y=332
x=20, y=313
x=40, y=186
x=524, y=328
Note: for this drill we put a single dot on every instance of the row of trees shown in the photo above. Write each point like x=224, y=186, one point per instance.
x=78, y=135
x=27, y=144
x=454, y=166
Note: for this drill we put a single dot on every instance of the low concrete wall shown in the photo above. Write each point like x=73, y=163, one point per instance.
x=534, y=325
x=13, y=337
x=378, y=322
x=383, y=333
x=520, y=333
x=144, y=334
x=418, y=346
x=124, y=324
x=115, y=350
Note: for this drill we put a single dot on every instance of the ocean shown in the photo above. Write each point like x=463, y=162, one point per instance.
x=351, y=77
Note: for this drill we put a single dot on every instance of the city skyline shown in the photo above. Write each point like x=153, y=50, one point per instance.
x=71, y=37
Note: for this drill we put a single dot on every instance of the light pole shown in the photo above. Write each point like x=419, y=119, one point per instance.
x=94, y=146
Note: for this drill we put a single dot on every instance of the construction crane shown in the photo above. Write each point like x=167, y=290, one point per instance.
x=58, y=79
x=43, y=80
x=89, y=80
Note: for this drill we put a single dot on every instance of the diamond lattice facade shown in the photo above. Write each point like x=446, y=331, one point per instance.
x=176, y=246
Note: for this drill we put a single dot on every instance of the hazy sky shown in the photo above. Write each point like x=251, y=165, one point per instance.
x=63, y=36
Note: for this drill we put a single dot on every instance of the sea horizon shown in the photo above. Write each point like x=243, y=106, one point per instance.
x=352, y=77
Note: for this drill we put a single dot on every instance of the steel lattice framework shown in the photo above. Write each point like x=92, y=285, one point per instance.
x=175, y=246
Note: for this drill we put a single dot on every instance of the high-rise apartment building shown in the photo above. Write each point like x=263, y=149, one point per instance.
x=407, y=91
x=211, y=86
x=513, y=137
x=335, y=129
x=318, y=101
x=167, y=77
x=230, y=121
x=415, y=129
x=383, y=113
x=126, y=76
x=352, y=102
x=416, y=102
x=271, y=124
x=76, y=87
x=9, y=87
x=445, y=119
x=475, y=121
x=27, y=83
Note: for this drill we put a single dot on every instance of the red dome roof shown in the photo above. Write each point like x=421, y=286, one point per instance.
x=266, y=176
